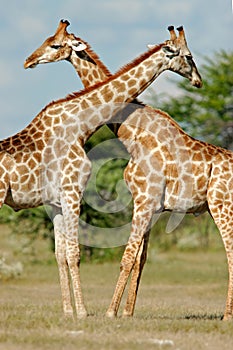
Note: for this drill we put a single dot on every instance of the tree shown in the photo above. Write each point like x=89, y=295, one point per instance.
x=206, y=113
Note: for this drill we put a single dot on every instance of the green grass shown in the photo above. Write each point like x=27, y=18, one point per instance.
x=180, y=304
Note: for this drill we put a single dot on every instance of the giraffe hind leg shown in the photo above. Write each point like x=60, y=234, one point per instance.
x=227, y=238
x=221, y=209
x=60, y=249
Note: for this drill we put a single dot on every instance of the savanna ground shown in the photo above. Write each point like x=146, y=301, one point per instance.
x=180, y=303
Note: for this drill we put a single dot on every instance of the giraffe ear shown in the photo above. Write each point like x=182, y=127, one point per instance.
x=150, y=46
x=77, y=45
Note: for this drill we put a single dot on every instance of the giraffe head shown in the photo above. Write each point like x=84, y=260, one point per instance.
x=179, y=57
x=56, y=48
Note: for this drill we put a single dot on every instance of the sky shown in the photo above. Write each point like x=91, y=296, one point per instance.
x=117, y=30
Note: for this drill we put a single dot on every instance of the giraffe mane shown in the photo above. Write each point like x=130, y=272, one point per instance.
x=137, y=60
x=93, y=55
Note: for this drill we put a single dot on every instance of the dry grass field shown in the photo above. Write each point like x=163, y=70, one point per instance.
x=180, y=304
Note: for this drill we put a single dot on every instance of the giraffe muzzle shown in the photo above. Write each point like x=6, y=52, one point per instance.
x=197, y=83
x=29, y=65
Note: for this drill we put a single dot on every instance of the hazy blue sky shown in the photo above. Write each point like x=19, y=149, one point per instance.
x=117, y=30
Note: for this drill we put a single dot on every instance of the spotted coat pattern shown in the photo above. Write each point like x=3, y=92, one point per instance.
x=91, y=70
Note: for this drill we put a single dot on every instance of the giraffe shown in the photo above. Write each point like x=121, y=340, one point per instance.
x=45, y=54
x=203, y=185
x=171, y=171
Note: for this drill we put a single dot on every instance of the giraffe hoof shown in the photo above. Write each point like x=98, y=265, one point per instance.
x=227, y=317
x=126, y=314
x=81, y=314
x=110, y=314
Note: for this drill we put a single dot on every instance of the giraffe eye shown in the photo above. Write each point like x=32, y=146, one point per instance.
x=189, y=57
x=56, y=47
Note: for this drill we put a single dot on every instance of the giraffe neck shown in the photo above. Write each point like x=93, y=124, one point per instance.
x=99, y=103
x=76, y=117
x=89, y=68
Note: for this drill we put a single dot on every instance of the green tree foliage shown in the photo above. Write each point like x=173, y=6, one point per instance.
x=206, y=113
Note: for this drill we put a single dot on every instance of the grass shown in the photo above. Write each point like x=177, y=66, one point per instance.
x=180, y=304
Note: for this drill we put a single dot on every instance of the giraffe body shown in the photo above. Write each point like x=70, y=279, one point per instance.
x=173, y=168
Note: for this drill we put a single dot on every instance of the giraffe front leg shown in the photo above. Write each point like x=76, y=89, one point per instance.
x=73, y=259
x=139, y=227
x=60, y=253
x=125, y=269
x=135, y=277
x=75, y=174
x=71, y=210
